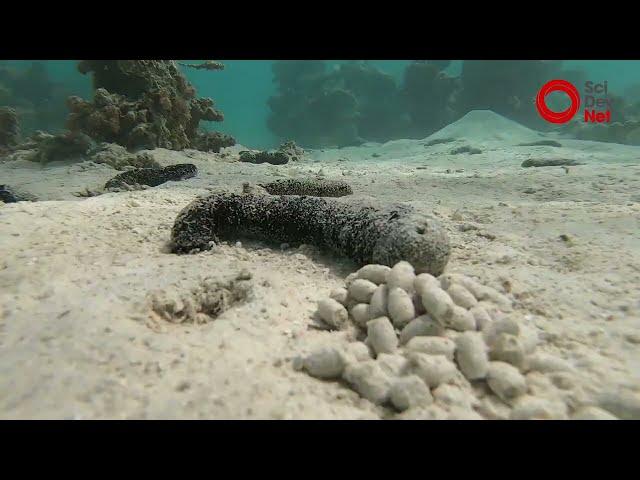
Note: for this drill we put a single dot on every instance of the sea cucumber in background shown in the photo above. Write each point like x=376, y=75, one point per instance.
x=315, y=187
x=153, y=177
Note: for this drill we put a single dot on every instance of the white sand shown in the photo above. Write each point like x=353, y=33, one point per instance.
x=77, y=339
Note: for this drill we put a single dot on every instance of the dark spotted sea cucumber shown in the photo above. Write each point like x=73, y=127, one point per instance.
x=314, y=187
x=153, y=177
x=365, y=234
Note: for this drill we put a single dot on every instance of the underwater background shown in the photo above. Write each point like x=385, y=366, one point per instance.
x=243, y=89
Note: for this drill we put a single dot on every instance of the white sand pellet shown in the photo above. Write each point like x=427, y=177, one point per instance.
x=471, y=355
x=374, y=273
x=432, y=369
x=432, y=346
x=423, y=325
x=333, y=313
x=506, y=381
x=369, y=380
x=381, y=335
x=378, y=303
x=361, y=290
x=408, y=392
x=461, y=296
x=326, y=362
x=400, y=306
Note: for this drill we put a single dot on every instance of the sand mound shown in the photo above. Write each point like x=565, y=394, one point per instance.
x=483, y=125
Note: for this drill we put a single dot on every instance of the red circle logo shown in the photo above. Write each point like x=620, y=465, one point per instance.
x=558, y=117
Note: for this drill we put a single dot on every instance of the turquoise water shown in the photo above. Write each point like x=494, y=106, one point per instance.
x=241, y=91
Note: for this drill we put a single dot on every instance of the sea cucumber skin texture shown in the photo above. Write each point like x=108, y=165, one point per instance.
x=365, y=234
x=153, y=176
x=313, y=187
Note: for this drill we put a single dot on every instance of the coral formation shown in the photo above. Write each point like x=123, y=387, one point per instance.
x=365, y=234
x=9, y=127
x=507, y=87
x=625, y=132
x=116, y=156
x=74, y=146
x=144, y=104
x=341, y=107
x=293, y=151
x=427, y=92
x=286, y=152
x=212, y=141
x=38, y=101
x=152, y=177
x=356, y=102
x=315, y=187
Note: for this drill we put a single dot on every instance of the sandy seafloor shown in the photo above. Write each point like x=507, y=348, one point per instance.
x=77, y=340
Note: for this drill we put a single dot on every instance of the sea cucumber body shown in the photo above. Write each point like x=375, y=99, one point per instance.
x=365, y=234
x=153, y=177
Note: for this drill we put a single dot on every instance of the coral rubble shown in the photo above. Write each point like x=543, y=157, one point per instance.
x=52, y=148
x=116, y=156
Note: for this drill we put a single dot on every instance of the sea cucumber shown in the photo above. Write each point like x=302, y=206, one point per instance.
x=314, y=187
x=365, y=234
x=274, y=158
x=7, y=195
x=153, y=176
x=541, y=143
x=465, y=149
x=549, y=162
